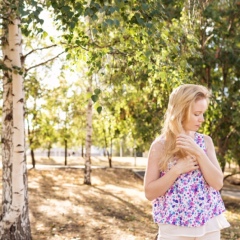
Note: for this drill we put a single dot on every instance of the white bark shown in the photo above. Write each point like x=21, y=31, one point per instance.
x=14, y=52
x=87, y=175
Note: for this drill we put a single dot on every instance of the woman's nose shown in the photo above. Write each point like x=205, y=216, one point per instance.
x=201, y=119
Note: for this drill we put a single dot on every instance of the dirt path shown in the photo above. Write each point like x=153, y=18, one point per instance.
x=112, y=208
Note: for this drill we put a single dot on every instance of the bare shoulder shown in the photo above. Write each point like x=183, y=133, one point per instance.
x=158, y=144
x=208, y=141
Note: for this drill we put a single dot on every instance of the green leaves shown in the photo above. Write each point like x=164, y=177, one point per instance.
x=3, y=67
x=18, y=70
x=95, y=96
x=29, y=13
x=67, y=12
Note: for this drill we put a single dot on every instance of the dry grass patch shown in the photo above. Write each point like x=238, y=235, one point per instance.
x=114, y=207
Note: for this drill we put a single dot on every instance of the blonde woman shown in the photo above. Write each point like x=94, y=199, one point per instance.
x=183, y=176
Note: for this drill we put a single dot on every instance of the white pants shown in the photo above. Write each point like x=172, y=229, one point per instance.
x=208, y=236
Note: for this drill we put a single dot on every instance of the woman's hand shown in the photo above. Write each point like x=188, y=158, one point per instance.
x=187, y=143
x=187, y=164
x=207, y=162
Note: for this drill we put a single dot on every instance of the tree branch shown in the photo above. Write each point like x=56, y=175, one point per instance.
x=118, y=52
x=230, y=175
x=208, y=38
x=55, y=45
x=37, y=49
x=43, y=63
x=84, y=48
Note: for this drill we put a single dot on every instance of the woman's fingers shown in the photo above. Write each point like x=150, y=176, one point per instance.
x=187, y=164
x=192, y=160
x=187, y=144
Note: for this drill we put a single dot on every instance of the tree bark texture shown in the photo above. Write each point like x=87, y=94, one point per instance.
x=15, y=219
x=87, y=172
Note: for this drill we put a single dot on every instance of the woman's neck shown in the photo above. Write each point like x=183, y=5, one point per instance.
x=190, y=133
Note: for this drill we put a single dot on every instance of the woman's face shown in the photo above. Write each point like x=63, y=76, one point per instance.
x=196, y=118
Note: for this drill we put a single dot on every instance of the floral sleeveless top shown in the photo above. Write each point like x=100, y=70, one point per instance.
x=190, y=202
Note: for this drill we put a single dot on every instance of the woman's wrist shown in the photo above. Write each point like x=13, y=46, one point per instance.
x=199, y=154
x=176, y=171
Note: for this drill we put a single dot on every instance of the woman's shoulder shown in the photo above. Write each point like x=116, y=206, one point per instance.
x=159, y=139
x=207, y=139
x=156, y=148
x=158, y=142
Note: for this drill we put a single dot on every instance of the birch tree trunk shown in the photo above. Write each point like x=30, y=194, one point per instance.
x=14, y=220
x=87, y=171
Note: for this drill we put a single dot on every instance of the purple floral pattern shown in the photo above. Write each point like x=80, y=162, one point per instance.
x=190, y=202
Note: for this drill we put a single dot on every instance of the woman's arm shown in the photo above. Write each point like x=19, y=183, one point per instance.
x=154, y=186
x=208, y=163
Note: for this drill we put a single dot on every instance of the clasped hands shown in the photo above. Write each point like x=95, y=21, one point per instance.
x=190, y=162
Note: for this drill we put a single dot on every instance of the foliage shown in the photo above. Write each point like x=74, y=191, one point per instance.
x=140, y=51
x=217, y=67
x=135, y=62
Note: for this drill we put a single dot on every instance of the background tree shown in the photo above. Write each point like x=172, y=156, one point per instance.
x=148, y=48
x=34, y=93
x=217, y=28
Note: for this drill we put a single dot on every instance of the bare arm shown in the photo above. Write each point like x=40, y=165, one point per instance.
x=154, y=186
x=208, y=163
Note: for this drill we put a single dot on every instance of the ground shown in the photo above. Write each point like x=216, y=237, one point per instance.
x=112, y=208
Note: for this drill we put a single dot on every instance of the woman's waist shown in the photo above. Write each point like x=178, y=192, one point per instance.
x=188, y=200
x=190, y=191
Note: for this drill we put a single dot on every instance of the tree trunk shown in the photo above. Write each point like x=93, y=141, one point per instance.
x=33, y=158
x=82, y=150
x=15, y=219
x=66, y=150
x=49, y=150
x=109, y=159
x=30, y=144
x=109, y=156
x=87, y=172
x=121, y=148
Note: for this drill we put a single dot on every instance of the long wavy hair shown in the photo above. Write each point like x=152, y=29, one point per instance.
x=178, y=111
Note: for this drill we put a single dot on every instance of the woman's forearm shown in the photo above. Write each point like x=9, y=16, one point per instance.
x=212, y=175
x=160, y=186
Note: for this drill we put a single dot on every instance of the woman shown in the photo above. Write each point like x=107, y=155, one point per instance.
x=183, y=176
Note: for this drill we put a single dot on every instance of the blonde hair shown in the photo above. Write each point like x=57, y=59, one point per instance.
x=180, y=102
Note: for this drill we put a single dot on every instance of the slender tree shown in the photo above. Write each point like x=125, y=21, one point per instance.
x=88, y=144
x=14, y=220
